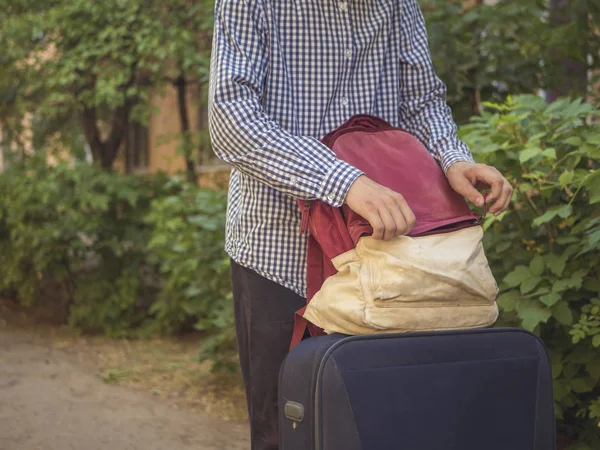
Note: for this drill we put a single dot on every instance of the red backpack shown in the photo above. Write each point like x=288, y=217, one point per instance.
x=393, y=158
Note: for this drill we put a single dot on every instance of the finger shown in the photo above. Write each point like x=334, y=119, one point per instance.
x=508, y=199
x=389, y=221
x=407, y=215
x=376, y=224
x=505, y=193
x=496, y=182
x=399, y=219
x=464, y=187
x=507, y=203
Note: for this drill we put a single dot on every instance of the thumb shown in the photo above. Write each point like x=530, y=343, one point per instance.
x=463, y=186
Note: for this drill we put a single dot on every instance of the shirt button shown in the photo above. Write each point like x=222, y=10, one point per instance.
x=348, y=53
x=344, y=101
x=330, y=198
x=293, y=180
x=343, y=6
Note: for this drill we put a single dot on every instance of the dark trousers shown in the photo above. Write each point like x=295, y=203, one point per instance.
x=264, y=318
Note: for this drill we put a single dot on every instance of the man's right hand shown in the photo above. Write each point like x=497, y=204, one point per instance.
x=387, y=211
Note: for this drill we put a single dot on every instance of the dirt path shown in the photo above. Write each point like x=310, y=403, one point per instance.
x=51, y=399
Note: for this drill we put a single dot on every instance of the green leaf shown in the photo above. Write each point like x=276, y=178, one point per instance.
x=596, y=340
x=540, y=291
x=576, y=280
x=560, y=390
x=581, y=355
x=564, y=240
x=532, y=314
x=594, y=237
x=517, y=276
x=491, y=219
x=593, y=368
x=525, y=187
x=550, y=299
x=592, y=284
x=503, y=246
x=592, y=183
x=561, y=285
x=549, y=153
x=528, y=154
x=556, y=370
x=563, y=211
x=565, y=178
x=555, y=263
x=574, y=140
x=594, y=139
x=537, y=264
x=529, y=284
x=581, y=385
x=508, y=301
x=562, y=313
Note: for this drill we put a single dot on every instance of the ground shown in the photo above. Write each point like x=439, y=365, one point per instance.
x=59, y=391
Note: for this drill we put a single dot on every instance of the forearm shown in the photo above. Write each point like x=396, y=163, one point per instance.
x=243, y=134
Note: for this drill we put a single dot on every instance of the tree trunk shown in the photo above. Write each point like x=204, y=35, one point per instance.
x=476, y=107
x=571, y=74
x=204, y=149
x=186, y=137
x=104, y=152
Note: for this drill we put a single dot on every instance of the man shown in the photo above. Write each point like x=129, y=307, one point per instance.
x=283, y=74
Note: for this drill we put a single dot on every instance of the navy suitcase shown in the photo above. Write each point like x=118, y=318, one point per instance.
x=488, y=389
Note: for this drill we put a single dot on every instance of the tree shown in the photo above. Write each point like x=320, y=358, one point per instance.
x=100, y=62
x=484, y=52
x=574, y=46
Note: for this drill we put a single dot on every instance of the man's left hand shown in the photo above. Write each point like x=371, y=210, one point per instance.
x=468, y=178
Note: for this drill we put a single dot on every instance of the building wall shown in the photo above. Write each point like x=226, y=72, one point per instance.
x=166, y=126
x=164, y=130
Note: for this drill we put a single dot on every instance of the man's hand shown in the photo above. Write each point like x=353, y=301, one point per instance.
x=466, y=178
x=387, y=212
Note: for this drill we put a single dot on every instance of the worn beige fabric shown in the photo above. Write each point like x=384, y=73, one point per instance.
x=436, y=282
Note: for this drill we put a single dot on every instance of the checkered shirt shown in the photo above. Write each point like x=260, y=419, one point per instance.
x=286, y=72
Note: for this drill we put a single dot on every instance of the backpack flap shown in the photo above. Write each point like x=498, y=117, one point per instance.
x=404, y=165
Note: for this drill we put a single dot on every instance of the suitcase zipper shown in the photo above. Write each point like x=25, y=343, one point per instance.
x=318, y=387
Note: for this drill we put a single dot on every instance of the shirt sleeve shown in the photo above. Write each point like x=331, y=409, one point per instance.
x=243, y=135
x=423, y=110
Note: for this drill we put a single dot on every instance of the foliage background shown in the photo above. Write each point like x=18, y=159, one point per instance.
x=544, y=249
x=129, y=255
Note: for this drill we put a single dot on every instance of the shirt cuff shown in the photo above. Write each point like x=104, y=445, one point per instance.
x=337, y=183
x=450, y=157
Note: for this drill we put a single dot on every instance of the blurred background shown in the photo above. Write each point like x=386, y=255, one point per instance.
x=112, y=203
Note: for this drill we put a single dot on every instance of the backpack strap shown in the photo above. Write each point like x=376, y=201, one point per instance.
x=317, y=270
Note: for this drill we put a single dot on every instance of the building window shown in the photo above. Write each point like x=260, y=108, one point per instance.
x=137, y=148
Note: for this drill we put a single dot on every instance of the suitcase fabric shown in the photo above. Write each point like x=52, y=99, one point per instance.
x=488, y=389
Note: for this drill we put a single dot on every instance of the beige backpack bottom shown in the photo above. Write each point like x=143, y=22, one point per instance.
x=437, y=282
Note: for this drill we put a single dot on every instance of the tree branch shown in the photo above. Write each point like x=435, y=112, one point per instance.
x=89, y=125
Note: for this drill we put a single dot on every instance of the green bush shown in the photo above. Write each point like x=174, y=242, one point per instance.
x=81, y=228
x=544, y=250
x=187, y=245
x=133, y=256
x=488, y=50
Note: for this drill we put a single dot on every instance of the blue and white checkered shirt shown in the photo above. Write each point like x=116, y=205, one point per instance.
x=286, y=72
